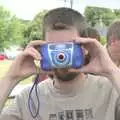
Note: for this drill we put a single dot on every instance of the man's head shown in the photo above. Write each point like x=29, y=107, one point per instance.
x=61, y=25
x=113, y=41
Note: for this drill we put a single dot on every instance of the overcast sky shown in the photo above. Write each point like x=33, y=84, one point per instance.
x=27, y=9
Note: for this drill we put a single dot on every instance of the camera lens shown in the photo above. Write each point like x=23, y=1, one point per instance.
x=61, y=57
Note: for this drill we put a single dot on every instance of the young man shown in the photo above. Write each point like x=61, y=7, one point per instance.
x=113, y=47
x=113, y=42
x=70, y=94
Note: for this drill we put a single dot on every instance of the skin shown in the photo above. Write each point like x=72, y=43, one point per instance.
x=55, y=36
x=26, y=67
x=114, y=51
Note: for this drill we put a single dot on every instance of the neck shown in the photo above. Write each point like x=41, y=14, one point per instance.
x=63, y=85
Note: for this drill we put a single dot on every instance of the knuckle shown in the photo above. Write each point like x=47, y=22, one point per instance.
x=31, y=43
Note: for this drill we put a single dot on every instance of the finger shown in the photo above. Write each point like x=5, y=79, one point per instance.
x=84, y=40
x=42, y=72
x=39, y=69
x=84, y=69
x=36, y=43
x=29, y=52
x=88, y=42
x=74, y=70
x=92, y=45
x=36, y=52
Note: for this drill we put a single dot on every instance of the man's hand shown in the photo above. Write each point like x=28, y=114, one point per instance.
x=23, y=66
x=100, y=62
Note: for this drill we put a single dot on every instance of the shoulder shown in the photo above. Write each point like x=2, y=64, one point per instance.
x=42, y=88
x=100, y=83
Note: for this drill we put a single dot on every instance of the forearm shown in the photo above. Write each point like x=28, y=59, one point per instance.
x=6, y=86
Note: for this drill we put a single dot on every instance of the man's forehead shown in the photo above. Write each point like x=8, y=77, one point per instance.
x=61, y=35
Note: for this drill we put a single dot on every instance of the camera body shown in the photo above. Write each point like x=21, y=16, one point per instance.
x=61, y=55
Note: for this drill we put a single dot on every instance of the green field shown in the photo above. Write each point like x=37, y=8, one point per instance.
x=4, y=66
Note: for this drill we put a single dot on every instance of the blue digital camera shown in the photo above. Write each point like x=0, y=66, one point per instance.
x=61, y=55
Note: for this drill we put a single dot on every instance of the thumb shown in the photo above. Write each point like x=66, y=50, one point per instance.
x=84, y=69
x=91, y=67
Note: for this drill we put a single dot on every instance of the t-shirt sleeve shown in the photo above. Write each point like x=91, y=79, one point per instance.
x=111, y=110
x=112, y=94
x=13, y=111
x=117, y=109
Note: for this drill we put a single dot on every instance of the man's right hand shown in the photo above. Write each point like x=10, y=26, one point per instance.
x=23, y=66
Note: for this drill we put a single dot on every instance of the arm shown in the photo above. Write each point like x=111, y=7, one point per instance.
x=22, y=67
x=13, y=111
x=100, y=62
x=114, y=77
x=6, y=86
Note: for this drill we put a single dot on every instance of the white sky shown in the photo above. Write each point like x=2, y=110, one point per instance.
x=27, y=9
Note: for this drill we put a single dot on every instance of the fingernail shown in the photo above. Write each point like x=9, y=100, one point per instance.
x=39, y=59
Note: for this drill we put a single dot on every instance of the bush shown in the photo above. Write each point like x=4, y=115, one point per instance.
x=103, y=40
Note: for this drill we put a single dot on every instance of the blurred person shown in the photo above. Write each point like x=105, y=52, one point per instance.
x=113, y=47
x=113, y=42
x=93, y=33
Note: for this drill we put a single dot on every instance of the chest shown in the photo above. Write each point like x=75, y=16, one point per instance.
x=75, y=109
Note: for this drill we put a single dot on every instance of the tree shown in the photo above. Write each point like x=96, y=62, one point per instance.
x=11, y=29
x=117, y=13
x=34, y=28
x=95, y=15
x=4, y=14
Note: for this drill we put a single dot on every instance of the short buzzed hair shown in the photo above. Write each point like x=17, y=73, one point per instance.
x=113, y=31
x=64, y=18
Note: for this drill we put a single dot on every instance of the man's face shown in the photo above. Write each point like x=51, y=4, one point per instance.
x=114, y=50
x=62, y=36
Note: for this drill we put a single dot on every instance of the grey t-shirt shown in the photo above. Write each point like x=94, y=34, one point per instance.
x=95, y=101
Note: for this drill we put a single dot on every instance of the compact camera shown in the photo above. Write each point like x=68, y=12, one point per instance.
x=61, y=55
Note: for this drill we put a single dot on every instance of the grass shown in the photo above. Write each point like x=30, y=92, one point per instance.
x=4, y=66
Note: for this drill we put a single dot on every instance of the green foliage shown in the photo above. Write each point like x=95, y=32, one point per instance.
x=103, y=40
x=33, y=30
x=18, y=31
x=117, y=12
x=11, y=29
x=3, y=27
x=95, y=15
x=36, y=32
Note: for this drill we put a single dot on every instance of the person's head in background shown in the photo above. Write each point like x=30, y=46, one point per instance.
x=113, y=42
x=61, y=25
x=93, y=33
